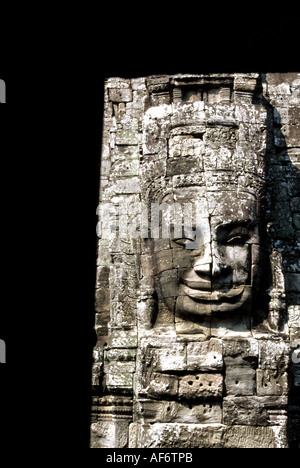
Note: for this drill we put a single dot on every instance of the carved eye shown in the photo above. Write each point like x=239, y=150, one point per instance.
x=236, y=240
x=183, y=242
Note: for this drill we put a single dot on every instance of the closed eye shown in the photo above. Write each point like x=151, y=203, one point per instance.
x=236, y=240
x=183, y=242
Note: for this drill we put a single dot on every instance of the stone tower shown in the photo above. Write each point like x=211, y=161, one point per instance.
x=197, y=290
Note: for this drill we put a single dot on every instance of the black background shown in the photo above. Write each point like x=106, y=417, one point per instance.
x=50, y=140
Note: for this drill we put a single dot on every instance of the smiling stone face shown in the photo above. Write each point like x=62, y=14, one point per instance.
x=214, y=260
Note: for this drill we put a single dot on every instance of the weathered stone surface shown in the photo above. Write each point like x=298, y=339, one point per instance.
x=200, y=386
x=166, y=284
x=188, y=330
x=254, y=437
x=199, y=325
x=163, y=386
x=102, y=302
x=170, y=359
x=121, y=354
x=273, y=355
x=172, y=411
x=120, y=94
x=242, y=349
x=119, y=341
x=240, y=381
x=271, y=382
x=185, y=436
x=252, y=411
x=168, y=435
x=293, y=279
x=109, y=434
x=119, y=377
x=205, y=355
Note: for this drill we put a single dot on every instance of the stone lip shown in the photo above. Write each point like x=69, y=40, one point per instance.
x=216, y=296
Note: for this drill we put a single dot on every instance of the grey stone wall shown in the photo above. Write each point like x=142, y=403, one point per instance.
x=173, y=368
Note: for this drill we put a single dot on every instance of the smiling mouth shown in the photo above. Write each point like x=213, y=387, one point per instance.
x=204, y=294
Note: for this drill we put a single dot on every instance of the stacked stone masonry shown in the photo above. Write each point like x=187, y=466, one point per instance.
x=197, y=347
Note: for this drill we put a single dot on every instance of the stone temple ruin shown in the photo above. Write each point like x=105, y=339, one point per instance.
x=198, y=278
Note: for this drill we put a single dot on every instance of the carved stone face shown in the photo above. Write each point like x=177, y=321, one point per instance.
x=214, y=268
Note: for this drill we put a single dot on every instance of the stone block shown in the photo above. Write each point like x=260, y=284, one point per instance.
x=119, y=341
x=206, y=355
x=161, y=244
x=174, y=435
x=120, y=94
x=109, y=434
x=204, y=386
x=147, y=265
x=119, y=377
x=128, y=168
x=240, y=347
x=162, y=261
x=294, y=316
x=125, y=153
x=252, y=411
x=166, y=284
x=104, y=256
x=138, y=83
x=188, y=330
x=126, y=186
x=177, y=167
x=116, y=82
x=240, y=381
x=239, y=327
x=172, y=358
x=102, y=298
x=270, y=382
x=177, y=435
x=254, y=437
x=119, y=383
x=293, y=281
x=165, y=312
x=241, y=352
x=182, y=259
x=172, y=411
x=245, y=83
x=273, y=355
x=102, y=275
x=163, y=386
x=120, y=367
x=127, y=137
x=101, y=322
x=121, y=354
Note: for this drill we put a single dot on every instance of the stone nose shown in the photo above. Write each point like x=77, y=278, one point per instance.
x=211, y=262
x=202, y=268
x=202, y=263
